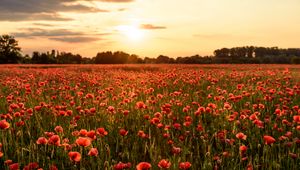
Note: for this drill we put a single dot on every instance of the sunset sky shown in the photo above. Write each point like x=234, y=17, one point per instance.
x=150, y=27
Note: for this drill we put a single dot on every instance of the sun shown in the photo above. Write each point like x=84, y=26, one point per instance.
x=132, y=32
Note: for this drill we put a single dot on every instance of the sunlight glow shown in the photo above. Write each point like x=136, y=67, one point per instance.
x=132, y=32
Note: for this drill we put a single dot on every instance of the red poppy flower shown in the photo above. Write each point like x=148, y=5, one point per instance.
x=83, y=132
x=59, y=129
x=82, y=141
x=14, y=166
x=184, y=165
x=121, y=166
x=176, y=150
x=241, y=136
x=123, y=132
x=53, y=167
x=4, y=124
x=54, y=140
x=31, y=166
x=93, y=152
x=93, y=110
x=8, y=162
x=140, y=105
x=164, y=164
x=296, y=119
x=91, y=134
x=269, y=139
x=243, y=148
x=42, y=141
x=102, y=132
x=75, y=156
x=143, y=166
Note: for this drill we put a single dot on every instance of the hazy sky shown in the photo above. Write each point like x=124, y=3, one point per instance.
x=150, y=27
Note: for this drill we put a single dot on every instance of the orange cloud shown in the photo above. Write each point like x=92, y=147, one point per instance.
x=151, y=27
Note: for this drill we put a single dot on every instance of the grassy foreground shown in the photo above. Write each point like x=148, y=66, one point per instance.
x=150, y=117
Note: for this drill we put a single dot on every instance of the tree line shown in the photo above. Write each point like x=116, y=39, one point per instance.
x=10, y=53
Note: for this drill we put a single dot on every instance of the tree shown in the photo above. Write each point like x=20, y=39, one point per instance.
x=9, y=50
x=222, y=53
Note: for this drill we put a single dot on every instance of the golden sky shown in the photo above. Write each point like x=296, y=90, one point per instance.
x=150, y=27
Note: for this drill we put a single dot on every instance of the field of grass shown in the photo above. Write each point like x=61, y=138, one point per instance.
x=149, y=117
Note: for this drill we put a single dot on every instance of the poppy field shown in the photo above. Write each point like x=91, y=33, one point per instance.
x=149, y=117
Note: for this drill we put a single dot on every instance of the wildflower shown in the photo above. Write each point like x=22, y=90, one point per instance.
x=143, y=166
x=243, y=149
x=91, y=134
x=93, y=110
x=83, y=132
x=102, y=132
x=184, y=165
x=4, y=124
x=14, y=166
x=53, y=167
x=293, y=155
x=54, y=140
x=8, y=162
x=110, y=109
x=42, y=141
x=142, y=134
x=123, y=132
x=82, y=141
x=31, y=166
x=140, y=105
x=75, y=156
x=241, y=136
x=176, y=150
x=227, y=106
x=93, y=152
x=177, y=126
x=269, y=140
x=164, y=164
x=296, y=118
x=59, y=129
x=121, y=166
x=37, y=108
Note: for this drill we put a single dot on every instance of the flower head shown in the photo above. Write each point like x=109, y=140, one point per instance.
x=83, y=141
x=4, y=124
x=75, y=156
x=143, y=166
x=164, y=164
x=184, y=165
x=269, y=139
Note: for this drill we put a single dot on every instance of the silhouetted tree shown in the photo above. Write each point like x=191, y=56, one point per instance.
x=164, y=59
x=68, y=58
x=222, y=53
x=9, y=50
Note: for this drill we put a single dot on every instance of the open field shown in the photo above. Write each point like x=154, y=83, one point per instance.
x=142, y=116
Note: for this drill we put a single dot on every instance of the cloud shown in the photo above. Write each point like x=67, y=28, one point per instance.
x=62, y=35
x=151, y=27
x=121, y=1
x=75, y=39
x=44, y=25
x=38, y=32
x=24, y=10
x=15, y=16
